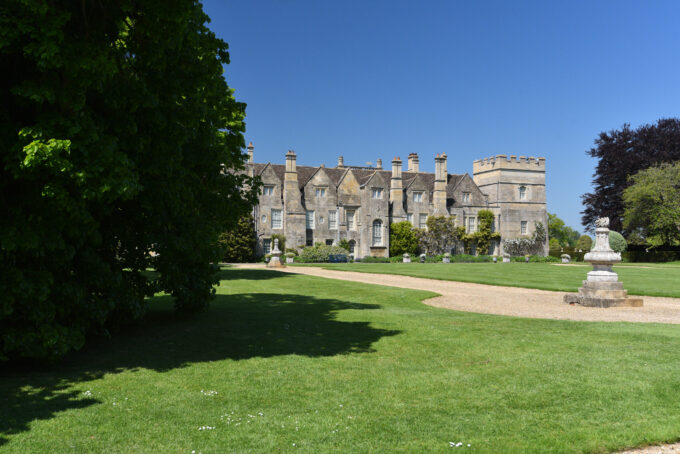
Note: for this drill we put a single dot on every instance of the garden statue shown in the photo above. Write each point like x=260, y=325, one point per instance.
x=601, y=288
x=275, y=261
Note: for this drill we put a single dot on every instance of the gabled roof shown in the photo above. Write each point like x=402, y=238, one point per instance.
x=363, y=176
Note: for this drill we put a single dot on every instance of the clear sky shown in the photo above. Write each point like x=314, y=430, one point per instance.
x=378, y=79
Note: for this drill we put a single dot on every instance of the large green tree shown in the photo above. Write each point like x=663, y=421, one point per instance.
x=118, y=136
x=557, y=229
x=620, y=154
x=652, y=204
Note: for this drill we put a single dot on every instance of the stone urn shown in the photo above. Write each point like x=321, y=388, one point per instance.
x=566, y=258
x=602, y=287
x=422, y=258
x=275, y=261
x=506, y=258
x=406, y=258
x=290, y=257
x=446, y=258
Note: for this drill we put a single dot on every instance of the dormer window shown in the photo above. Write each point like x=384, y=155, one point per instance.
x=417, y=196
x=466, y=197
x=321, y=192
x=522, y=192
x=268, y=190
x=377, y=193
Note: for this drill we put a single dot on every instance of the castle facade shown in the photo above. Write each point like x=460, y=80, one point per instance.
x=311, y=205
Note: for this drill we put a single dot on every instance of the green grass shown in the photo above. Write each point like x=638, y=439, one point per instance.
x=648, y=279
x=336, y=366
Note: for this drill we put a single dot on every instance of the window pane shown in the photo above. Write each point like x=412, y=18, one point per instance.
x=267, y=246
x=377, y=233
x=350, y=219
x=523, y=227
x=423, y=221
x=310, y=219
x=333, y=219
x=276, y=219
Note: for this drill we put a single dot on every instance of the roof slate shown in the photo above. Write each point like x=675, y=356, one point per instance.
x=362, y=176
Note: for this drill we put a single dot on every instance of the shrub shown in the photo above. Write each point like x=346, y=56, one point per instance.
x=584, y=243
x=320, y=253
x=370, y=259
x=527, y=245
x=537, y=259
x=402, y=239
x=239, y=243
x=617, y=241
x=466, y=258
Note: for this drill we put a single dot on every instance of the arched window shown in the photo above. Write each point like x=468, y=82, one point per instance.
x=377, y=232
x=522, y=192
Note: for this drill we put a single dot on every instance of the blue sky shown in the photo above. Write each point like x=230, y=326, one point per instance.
x=378, y=79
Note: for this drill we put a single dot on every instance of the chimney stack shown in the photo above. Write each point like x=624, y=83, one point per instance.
x=251, y=150
x=291, y=160
x=397, y=192
x=413, y=163
x=378, y=164
x=341, y=162
x=440, y=181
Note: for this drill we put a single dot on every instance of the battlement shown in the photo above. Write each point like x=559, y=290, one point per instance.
x=511, y=162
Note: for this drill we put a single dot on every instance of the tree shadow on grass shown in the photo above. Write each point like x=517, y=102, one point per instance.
x=236, y=327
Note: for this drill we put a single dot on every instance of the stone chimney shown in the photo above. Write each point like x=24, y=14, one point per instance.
x=341, y=162
x=397, y=192
x=294, y=217
x=291, y=163
x=413, y=163
x=440, y=180
x=251, y=151
x=378, y=164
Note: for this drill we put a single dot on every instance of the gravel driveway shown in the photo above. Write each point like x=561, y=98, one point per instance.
x=513, y=301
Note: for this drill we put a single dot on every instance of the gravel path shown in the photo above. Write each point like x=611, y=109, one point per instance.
x=518, y=302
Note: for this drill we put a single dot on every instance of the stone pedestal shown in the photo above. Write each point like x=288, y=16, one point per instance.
x=275, y=261
x=602, y=288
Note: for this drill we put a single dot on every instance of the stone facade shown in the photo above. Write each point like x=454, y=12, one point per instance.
x=311, y=205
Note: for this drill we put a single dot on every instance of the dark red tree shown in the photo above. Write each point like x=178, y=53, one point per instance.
x=622, y=153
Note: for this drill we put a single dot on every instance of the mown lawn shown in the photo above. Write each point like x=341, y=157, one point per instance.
x=288, y=363
x=638, y=278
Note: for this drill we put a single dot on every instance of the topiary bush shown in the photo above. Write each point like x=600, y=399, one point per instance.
x=617, y=241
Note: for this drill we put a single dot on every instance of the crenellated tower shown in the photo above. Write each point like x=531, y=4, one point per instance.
x=517, y=186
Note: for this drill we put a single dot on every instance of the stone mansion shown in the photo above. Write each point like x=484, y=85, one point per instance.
x=311, y=205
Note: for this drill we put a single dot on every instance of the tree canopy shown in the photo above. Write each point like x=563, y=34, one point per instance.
x=558, y=230
x=120, y=150
x=652, y=205
x=622, y=153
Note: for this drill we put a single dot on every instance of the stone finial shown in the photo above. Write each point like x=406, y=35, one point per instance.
x=602, y=222
x=341, y=161
x=378, y=164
